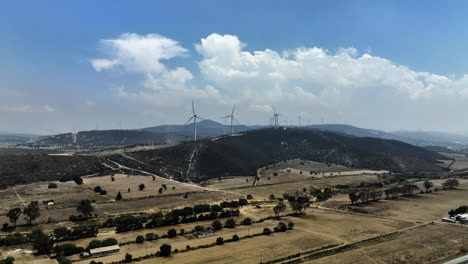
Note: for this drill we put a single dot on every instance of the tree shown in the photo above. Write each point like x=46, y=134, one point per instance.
x=216, y=225
x=94, y=244
x=141, y=187
x=118, y=197
x=14, y=215
x=31, y=212
x=272, y=197
x=249, y=197
x=165, y=250
x=235, y=238
x=42, y=243
x=139, y=239
x=8, y=260
x=172, y=233
x=97, y=189
x=128, y=258
x=353, y=197
x=280, y=207
x=266, y=231
x=52, y=185
x=450, y=184
x=300, y=204
x=78, y=180
x=247, y=221
x=219, y=241
x=230, y=223
x=428, y=185
x=85, y=208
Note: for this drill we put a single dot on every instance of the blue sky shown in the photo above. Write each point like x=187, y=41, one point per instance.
x=49, y=85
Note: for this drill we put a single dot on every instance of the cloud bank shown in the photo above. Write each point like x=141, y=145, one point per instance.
x=319, y=83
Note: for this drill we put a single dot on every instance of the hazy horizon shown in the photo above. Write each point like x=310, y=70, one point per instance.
x=392, y=65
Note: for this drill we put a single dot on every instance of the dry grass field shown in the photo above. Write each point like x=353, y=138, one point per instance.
x=332, y=222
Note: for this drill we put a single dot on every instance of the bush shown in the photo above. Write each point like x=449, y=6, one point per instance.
x=247, y=221
x=109, y=242
x=216, y=225
x=182, y=232
x=219, y=241
x=266, y=231
x=103, y=192
x=172, y=233
x=94, y=244
x=249, y=197
x=52, y=185
x=128, y=258
x=141, y=187
x=118, y=197
x=165, y=250
x=139, y=239
x=151, y=236
x=290, y=225
x=8, y=260
x=230, y=223
x=78, y=180
x=97, y=189
x=199, y=229
x=235, y=238
x=281, y=227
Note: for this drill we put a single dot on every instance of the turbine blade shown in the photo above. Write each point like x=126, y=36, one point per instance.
x=193, y=108
x=189, y=120
x=232, y=113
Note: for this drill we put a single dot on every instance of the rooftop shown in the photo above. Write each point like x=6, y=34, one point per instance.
x=104, y=249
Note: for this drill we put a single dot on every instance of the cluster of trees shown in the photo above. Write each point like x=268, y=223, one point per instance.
x=8, y=260
x=187, y=214
x=31, y=212
x=99, y=190
x=460, y=210
x=450, y=184
x=102, y=243
x=365, y=195
x=76, y=232
x=14, y=239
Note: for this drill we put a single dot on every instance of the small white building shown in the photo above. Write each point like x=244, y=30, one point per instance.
x=102, y=251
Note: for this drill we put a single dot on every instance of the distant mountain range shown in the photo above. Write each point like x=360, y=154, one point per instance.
x=244, y=154
x=207, y=129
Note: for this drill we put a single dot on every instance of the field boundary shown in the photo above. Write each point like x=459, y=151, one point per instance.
x=344, y=247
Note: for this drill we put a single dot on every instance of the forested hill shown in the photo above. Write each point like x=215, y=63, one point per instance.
x=244, y=154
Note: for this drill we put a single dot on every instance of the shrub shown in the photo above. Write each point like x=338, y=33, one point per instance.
x=247, y=221
x=118, y=197
x=281, y=227
x=78, y=180
x=199, y=229
x=219, y=241
x=94, y=244
x=109, y=242
x=139, y=239
x=52, y=185
x=182, y=232
x=103, y=192
x=128, y=258
x=290, y=225
x=141, y=187
x=172, y=233
x=216, y=225
x=165, y=250
x=97, y=189
x=235, y=238
x=249, y=197
x=266, y=231
x=230, y=223
x=151, y=236
x=8, y=260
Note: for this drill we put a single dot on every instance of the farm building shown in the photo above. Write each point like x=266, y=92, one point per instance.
x=102, y=251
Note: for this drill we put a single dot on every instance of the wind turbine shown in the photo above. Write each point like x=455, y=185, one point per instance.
x=275, y=116
x=194, y=118
x=232, y=119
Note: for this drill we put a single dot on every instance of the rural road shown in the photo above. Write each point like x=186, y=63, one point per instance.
x=460, y=260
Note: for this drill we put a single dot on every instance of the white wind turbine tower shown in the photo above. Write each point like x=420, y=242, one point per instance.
x=232, y=119
x=275, y=116
x=194, y=118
